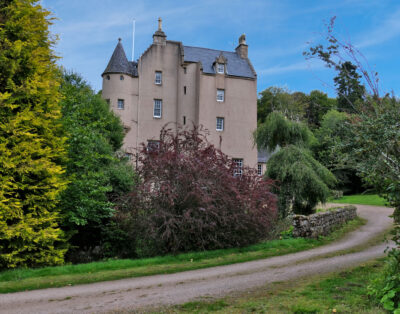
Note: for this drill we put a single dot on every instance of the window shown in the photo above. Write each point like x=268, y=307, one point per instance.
x=157, y=108
x=108, y=101
x=121, y=77
x=184, y=70
x=238, y=167
x=259, y=169
x=121, y=104
x=220, y=68
x=184, y=90
x=184, y=120
x=108, y=77
x=158, y=80
x=128, y=156
x=153, y=146
x=220, y=124
x=220, y=95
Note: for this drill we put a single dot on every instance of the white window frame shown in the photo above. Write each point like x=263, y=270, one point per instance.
x=259, y=169
x=158, y=78
x=221, y=95
x=121, y=104
x=238, y=167
x=220, y=124
x=220, y=68
x=157, y=109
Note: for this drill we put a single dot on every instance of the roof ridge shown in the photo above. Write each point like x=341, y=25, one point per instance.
x=210, y=49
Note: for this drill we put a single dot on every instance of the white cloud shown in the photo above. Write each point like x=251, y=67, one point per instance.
x=390, y=29
x=294, y=67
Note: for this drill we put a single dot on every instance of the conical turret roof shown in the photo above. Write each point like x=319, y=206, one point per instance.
x=119, y=62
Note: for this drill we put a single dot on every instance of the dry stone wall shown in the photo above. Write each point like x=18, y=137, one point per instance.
x=322, y=223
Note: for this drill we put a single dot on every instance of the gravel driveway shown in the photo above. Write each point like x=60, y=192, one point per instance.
x=134, y=293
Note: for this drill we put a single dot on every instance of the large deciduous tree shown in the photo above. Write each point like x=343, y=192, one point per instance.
x=331, y=150
x=31, y=138
x=98, y=175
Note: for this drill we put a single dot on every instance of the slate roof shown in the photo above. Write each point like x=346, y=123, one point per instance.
x=236, y=66
x=119, y=62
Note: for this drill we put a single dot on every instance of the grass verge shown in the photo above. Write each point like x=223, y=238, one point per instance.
x=362, y=199
x=30, y=279
x=343, y=292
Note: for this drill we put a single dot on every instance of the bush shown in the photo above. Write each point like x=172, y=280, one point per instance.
x=386, y=289
x=190, y=200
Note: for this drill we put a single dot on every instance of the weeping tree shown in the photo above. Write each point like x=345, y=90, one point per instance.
x=302, y=181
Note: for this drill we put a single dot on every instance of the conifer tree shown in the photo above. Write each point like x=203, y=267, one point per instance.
x=31, y=139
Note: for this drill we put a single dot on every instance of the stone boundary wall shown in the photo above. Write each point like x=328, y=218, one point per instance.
x=322, y=223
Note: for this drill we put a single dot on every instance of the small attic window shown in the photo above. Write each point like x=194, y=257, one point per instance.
x=220, y=68
x=108, y=77
x=121, y=77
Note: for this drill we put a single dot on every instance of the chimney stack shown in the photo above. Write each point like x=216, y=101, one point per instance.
x=242, y=48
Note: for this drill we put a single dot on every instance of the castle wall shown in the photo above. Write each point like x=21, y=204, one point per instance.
x=157, y=58
x=128, y=90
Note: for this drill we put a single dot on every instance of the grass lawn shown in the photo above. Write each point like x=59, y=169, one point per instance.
x=29, y=279
x=344, y=292
x=362, y=199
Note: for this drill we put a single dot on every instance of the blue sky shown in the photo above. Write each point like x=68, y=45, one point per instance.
x=277, y=33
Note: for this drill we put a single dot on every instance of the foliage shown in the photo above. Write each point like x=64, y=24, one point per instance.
x=31, y=139
x=386, y=288
x=295, y=106
x=97, y=176
x=190, y=200
x=279, y=131
x=318, y=104
x=338, y=158
x=350, y=90
x=374, y=134
x=278, y=99
x=303, y=181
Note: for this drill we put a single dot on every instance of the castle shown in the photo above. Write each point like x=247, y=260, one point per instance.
x=185, y=85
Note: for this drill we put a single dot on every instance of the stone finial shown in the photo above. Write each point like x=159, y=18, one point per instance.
x=242, y=39
x=119, y=39
x=159, y=37
x=159, y=24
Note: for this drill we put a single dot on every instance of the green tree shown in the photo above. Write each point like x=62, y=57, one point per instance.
x=278, y=99
x=98, y=177
x=329, y=150
x=302, y=181
x=31, y=139
x=349, y=88
x=318, y=104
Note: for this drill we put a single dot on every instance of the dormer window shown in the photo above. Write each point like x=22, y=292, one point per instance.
x=220, y=68
x=158, y=80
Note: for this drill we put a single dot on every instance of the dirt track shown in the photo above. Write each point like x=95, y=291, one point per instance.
x=130, y=294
